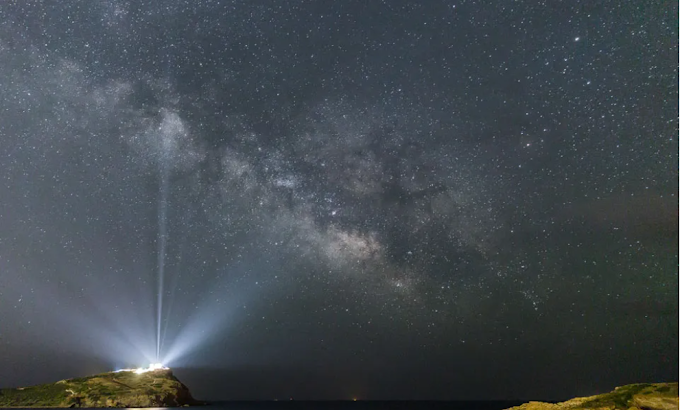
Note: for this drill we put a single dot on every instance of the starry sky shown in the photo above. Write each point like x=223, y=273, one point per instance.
x=326, y=200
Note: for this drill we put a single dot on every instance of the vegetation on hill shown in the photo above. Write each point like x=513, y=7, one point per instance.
x=158, y=388
x=643, y=396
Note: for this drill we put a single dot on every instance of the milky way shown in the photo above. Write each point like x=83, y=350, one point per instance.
x=337, y=199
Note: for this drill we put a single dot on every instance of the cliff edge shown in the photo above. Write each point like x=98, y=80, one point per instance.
x=157, y=388
x=643, y=396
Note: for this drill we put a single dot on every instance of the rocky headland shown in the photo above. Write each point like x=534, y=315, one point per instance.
x=156, y=388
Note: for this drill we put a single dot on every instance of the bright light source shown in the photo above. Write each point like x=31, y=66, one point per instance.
x=156, y=366
x=140, y=370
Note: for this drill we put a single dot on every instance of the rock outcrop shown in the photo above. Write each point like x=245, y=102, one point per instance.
x=157, y=388
x=645, y=396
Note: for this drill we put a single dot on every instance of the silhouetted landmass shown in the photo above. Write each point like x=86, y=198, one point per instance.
x=643, y=396
x=158, y=388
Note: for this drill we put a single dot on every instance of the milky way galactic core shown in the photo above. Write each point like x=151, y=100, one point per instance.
x=322, y=199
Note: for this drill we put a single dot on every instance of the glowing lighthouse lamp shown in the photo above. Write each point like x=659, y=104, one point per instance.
x=152, y=367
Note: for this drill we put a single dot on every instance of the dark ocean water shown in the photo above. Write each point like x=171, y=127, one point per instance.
x=358, y=405
x=366, y=405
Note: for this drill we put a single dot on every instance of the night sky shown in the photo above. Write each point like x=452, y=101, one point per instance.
x=357, y=198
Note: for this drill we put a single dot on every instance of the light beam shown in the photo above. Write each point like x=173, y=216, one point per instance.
x=162, y=241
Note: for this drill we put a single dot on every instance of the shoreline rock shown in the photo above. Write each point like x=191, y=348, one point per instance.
x=641, y=396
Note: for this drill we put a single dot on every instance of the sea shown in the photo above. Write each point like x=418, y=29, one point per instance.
x=365, y=405
x=352, y=405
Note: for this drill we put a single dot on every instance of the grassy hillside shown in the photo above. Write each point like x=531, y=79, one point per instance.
x=156, y=388
x=646, y=396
